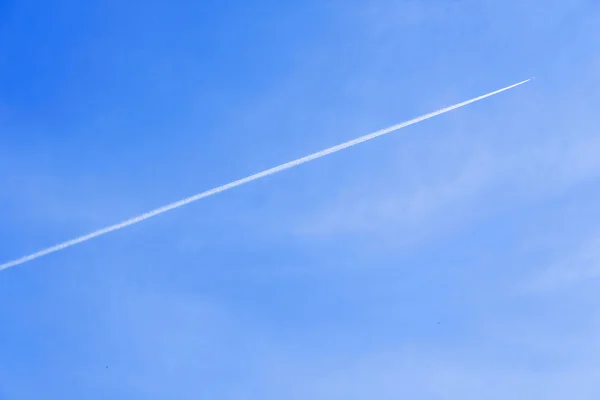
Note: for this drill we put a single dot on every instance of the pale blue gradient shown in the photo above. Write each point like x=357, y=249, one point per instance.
x=458, y=259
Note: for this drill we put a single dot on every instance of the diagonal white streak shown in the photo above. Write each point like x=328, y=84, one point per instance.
x=250, y=178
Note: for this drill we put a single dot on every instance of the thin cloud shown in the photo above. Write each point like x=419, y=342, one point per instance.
x=250, y=178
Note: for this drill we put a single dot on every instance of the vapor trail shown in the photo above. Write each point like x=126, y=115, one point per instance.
x=250, y=178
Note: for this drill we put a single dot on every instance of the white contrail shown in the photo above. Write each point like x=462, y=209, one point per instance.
x=250, y=178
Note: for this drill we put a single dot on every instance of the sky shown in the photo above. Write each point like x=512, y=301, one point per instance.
x=458, y=258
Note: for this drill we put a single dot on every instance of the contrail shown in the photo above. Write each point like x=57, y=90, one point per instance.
x=250, y=178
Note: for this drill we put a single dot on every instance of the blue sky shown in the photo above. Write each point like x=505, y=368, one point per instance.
x=458, y=258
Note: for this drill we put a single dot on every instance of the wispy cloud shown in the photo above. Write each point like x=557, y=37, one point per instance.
x=419, y=373
x=481, y=165
x=582, y=266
